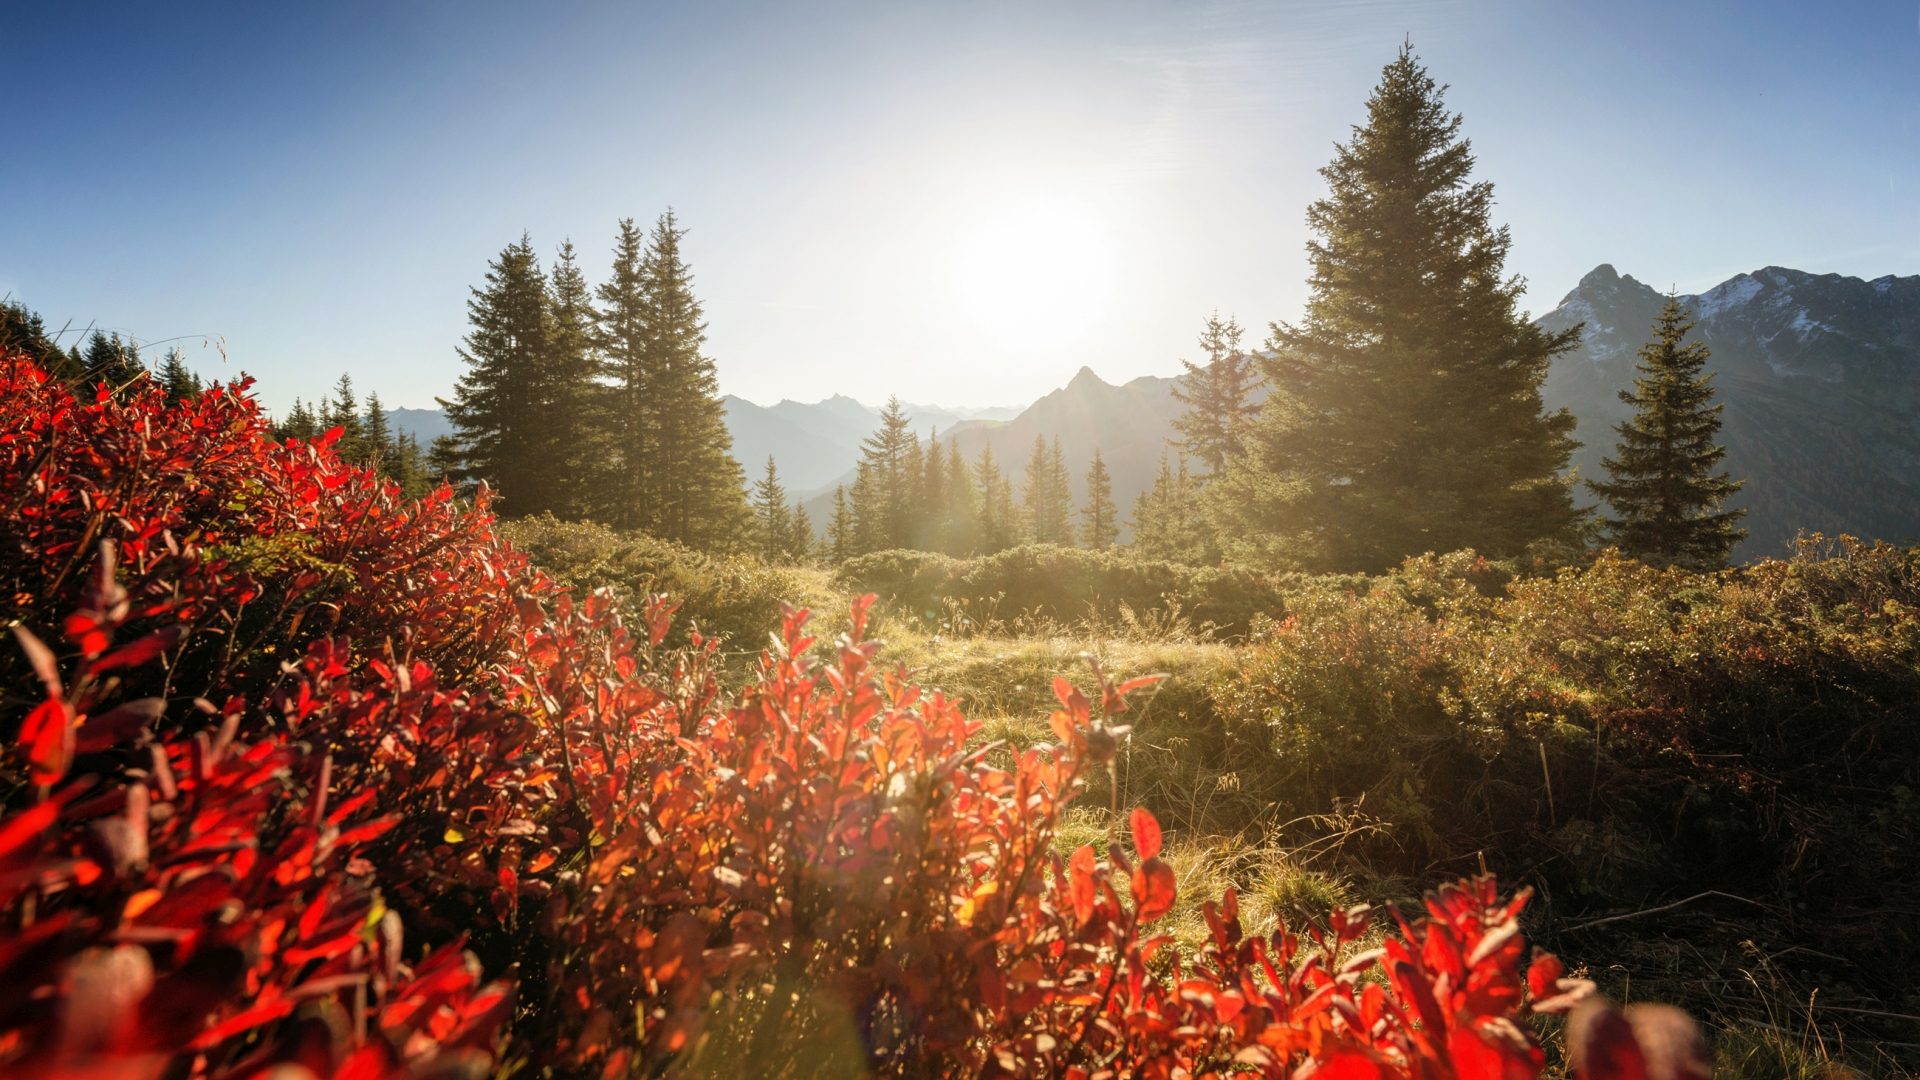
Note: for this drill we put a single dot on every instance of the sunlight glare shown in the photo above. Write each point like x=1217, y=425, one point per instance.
x=1033, y=271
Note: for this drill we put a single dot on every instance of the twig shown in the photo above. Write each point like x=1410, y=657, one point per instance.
x=1657, y=910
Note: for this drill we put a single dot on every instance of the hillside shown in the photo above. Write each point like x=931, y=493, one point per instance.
x=1820, y=376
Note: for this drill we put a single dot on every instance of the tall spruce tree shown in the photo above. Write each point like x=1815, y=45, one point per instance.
x=1048, y=494
x=1218, y=396
x=772, y=521
x=625, y=424
x=696, y=491
x=888, y=484
x=376, y=436
x=999, y=521
x=176, y=378
x=573, y=450
x=960, y=533
x=1404, y=411
x=1100, y=525
x=840, y=532
x=1668, y=500
x=22, y=330
x=495, y=409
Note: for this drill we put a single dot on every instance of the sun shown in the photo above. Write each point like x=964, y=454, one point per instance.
x=1033, y=272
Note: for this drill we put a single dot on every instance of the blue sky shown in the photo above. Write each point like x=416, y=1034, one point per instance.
x=955, y=203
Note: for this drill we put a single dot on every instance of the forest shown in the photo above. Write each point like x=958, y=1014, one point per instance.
x=568, y=745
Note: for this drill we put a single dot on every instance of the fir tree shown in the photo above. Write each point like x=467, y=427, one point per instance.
x=342, y=411
x=840, y=535
x=769, y=504
x=1667, y=498
x=999, y=522
x=22, y=330
x=1218, y=396
x=111, y=361
x=301, y=423
x=625, y=426
x=495, y=408
x=376, y=436
x=573, y=452
x=960, y=532
x=1168, y=522
x=1099, y=525
x=888, y=482
x=1048, y=495
x=696, y=490
x=801, y=543
x=175, y=378
x=1404, y=411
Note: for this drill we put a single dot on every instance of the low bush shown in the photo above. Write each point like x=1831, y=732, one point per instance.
x=1627, y=737
x=734, y=597
x=1059, y=584
x=401, y=806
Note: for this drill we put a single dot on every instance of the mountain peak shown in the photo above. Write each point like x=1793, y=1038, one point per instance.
x=1604, y=274
x=1085, y=379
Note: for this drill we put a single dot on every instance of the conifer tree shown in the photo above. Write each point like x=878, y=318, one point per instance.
x=930, y=528
x=772, y=525
x=696, y=490
x=1667, y=497
x=960, y=533
x=999, y=521
x=801, y=542
x=840, y=536
x=301, y=423
x=1404, y=411
x=1100, y=526
x=342, y=411
x=495, y=408
x=573, y=451
x=22, y=330
x=110, y=360
x=1168, y=522
x=1048, y=495
x=376, y=436
x=888, y=482
x=1218, y=396
x=175, y=378
x=625, y=425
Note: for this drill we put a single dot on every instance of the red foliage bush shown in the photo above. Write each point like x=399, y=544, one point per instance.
x=291, y=713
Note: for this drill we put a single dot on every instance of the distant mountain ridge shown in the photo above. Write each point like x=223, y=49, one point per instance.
x=1820, y=376
x=1819, y=373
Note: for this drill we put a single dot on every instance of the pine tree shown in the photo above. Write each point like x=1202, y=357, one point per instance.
x=1404, y=412
x=697, y=490
x=300, y=423
x=1666, y=496
x=111, y=361
x=22, y=330
x=175, y=378
x=1218, y=396
x=999, y=521
x=960, y=532
x=625, y=425
x=1168, y=520
x=931, y=525
x=888, y=482
x=840, y=534
x=1100, y=526
x=771, y=529
x=574, y=452
x=376, y=436
x=1047, y=495
x=495, y=409
x=801, y=543
x=342, y=411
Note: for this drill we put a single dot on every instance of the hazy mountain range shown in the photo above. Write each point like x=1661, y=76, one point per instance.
x=1820, y=375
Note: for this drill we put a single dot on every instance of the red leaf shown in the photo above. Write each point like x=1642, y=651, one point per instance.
x=47, y=737
x=1080, y=883
x=1146, y=833
x=41, y=658
x=1153, y=889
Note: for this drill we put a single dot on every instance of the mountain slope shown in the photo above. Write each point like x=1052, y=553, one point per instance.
x=1820, y=375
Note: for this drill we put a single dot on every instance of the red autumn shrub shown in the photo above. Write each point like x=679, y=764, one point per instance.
x=266, y=716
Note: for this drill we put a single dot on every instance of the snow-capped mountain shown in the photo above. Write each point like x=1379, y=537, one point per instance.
x=1820, y=375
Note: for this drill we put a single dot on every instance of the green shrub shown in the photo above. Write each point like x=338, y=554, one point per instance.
x=734, y=597
x=1042, y=582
